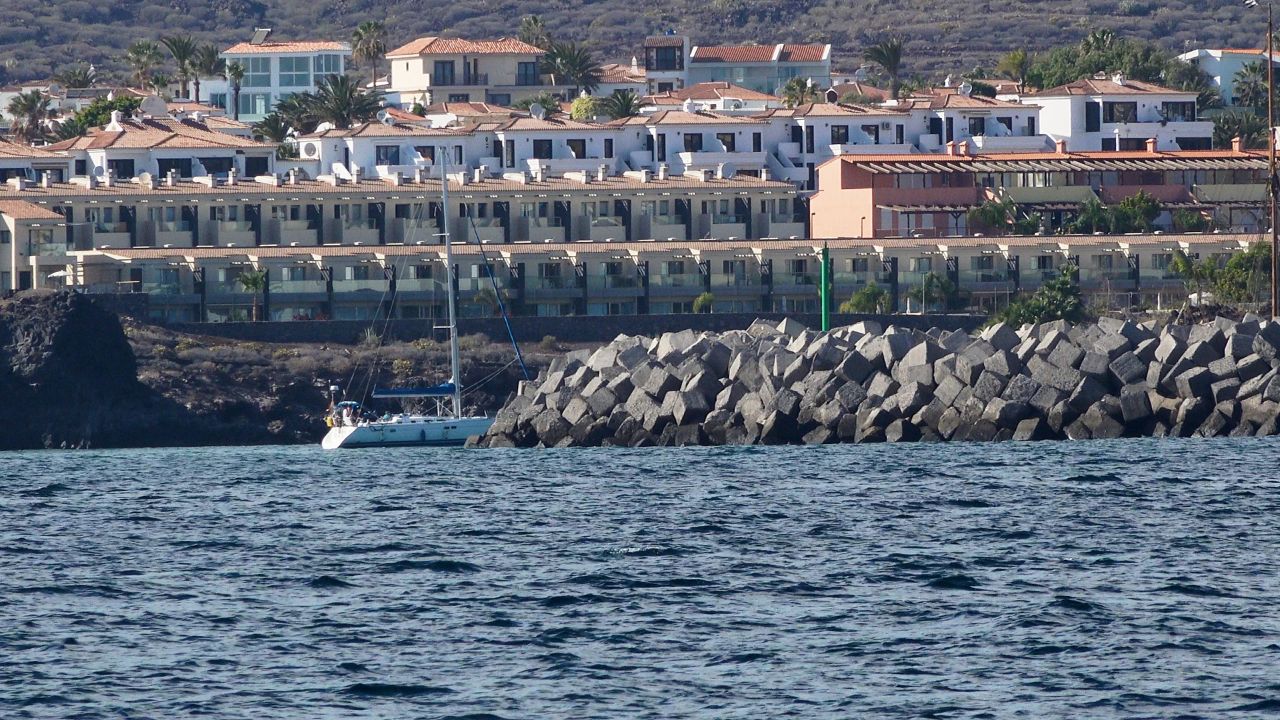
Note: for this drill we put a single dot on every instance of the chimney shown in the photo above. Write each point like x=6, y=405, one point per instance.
x=357, y=174
x=646, y=175
x=720, y=171
x=1060, y=147
x=110, y=177
x=484, y=173
x=1151, y=145
x=231, y=176
x=147, y=181
x=663, y=171
x=951, y=147
x=45, y=179
x=1118, y=78
x=602, y=172
x=764, y=173
x=419, y=174
x=539, y=173
x=116, y=117
x=704, y=175
x=293, y=176
x=18, y=183
x=477, y=175
x=1237, y=144
x=171, y=178
x=962, y=147
x=395, y=178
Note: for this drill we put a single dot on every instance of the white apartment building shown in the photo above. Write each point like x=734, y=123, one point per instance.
x=274, y=70
x=1222, y=66
x=1117, y=113
x=436, y=69
x=954, y=114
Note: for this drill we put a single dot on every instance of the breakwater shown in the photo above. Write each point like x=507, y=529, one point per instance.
x=784, y=383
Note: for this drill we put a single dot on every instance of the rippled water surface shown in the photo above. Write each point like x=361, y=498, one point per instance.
x=1102, y=579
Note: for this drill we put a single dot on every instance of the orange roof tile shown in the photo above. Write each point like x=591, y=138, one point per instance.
x=617, y=74
x=377, y=129
x=804, y=53
x=302, y=46
x=14, y=150
x=759, y=53
x=833, y=110
x=458, y=46
x=720, y=90
x=682, y=117
x=1108, y=86
x=23, y=210
x=861, y=88
x=160, y=133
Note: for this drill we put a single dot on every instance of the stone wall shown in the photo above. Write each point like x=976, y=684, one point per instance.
x=782, y=383
x=578, y=329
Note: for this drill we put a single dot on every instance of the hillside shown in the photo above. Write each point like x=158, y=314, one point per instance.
x=39, y=38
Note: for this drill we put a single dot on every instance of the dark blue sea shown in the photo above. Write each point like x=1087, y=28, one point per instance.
x=1133, y=579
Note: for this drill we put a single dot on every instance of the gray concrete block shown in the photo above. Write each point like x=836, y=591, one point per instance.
x=1128, y=369
x=1194, y=383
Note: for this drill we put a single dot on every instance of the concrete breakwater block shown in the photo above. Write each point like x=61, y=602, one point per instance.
x=783, y=383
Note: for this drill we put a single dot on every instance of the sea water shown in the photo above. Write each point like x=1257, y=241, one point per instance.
x=1133, y=578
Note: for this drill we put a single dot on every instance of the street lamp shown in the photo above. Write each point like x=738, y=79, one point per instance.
x=1272, y=185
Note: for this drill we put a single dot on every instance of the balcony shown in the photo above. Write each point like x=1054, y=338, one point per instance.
x=430, y=285
x=724, y=227
x=784, y=226
x=114, y=239
x=682, y=280
x=606, y=228
x=560, y=166
x=285, y=287
x=710, y=160
x=484, y=230
x=49, y=249
x=550, y=283
x=613, y=282
x=465, y=80
x=378, y=285
x=851, y=279
x=1008, y=143
x=791, y=281
x=872, y=149
x=740, y=281
x=165, y=288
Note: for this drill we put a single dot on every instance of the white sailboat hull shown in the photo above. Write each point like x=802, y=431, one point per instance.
x=407, y=431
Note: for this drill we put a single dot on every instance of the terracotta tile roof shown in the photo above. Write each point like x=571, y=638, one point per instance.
x=160, y=133
x=719, y=91
x=23, y=210
x=302, y=46
x=458, y=46
x=833, y=110
x=469, y=109
x=1108, y=86
x=188, y=107
x=14, y=150
x=657, y=41
x=665, y=98
x=377, y=129
x=758, y=53
x=550, y=122
x=681, y=117
x=59, y=192
x=804, y=53
x=950, y=98
x=861, y=88
x=618, y=73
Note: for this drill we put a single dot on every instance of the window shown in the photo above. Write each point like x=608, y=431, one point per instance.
x=257, y=72
x=459, y=97
x=693, y=142
x=577, y=147
x=82, y=167
x=982, y=262
x=1007, y=122
x=977, y=126
x=611, y=268
x=294, y=274
x=443, y=73
x=1044, y=262
x=728, y=140
x=182, y=166
x=1092, y=117
x=216, y=165
x=255, y=166
x=757, y=142
x=1195, y=143
x=218, y=100
x=254, y=103
x=503, y=99
x=328, y=64
x=120, y=168
x=542, y=149
x=421, y=272
x=1031, y=126
x=839, y=134
x=859, y=265
x=426, y=152
x=295, y=72
x=386, y=155
x=1119, y=112
x=1103, y=262
x=675, y=267
x=1178, y=111
x=608, y=147
x=665, y=58
x=527, y=73
x=1161, y=261
x=921, y=265
x=797, y=266
x=6, y=237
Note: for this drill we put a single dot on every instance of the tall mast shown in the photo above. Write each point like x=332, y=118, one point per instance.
x=454, y=362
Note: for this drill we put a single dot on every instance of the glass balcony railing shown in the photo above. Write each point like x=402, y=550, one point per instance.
x=163, y=288
x=353, y=285
x=734, y=281
x=169, y=226
x=612, y=282
x=547, y=222
x=229, y=226
x=684, y=280
x=606, y=222
x=796, y=279
x=419, y=285
x=297, y=286
x=549, y=283
x=48, y=249
x=472, y=284
x=850, y=278
x=101, y=227
x=728, y=220
x=360, y=224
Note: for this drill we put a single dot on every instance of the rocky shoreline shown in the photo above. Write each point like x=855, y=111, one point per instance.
x=784, y=383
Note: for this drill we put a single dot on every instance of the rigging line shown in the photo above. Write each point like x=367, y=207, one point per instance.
x=470, y=388
x=497, y=294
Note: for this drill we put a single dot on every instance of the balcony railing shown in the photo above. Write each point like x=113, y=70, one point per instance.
x=727, y=220
x=683, y=280
x=612, y=281
x=734, y=281
x=548, y=283
x=351, y=285
x=235, y=226
x=48, y=249
x=170, y=226
x=360, y=224
x=297, y=286
x=102, y=227
x=466, y=80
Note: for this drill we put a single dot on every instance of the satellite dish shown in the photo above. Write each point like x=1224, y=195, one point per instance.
x=383, y=116
x=309, y=149
x=98, y=171
x=537, y=112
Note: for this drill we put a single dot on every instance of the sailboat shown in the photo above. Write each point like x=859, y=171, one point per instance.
x=348, y=429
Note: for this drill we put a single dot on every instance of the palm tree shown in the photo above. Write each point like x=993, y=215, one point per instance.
x=339, y=101
x=1016, y=64
x=158, y=81
x=273, y=127
x=295, y=111
x=545, y=99
x=183, y=48
x=143, y=57
x=1098, y=41
x=78, y=76
x=205, y=63
x=369, y=44
x=798, y=91
x=1239, y=124
x=70, y=127
x=888, y=55
x=622, y=104
x=235, y=76
x=253, y=281
x=534, y=31
x=1250, y=85
x=29, y=111
x=573, y=64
